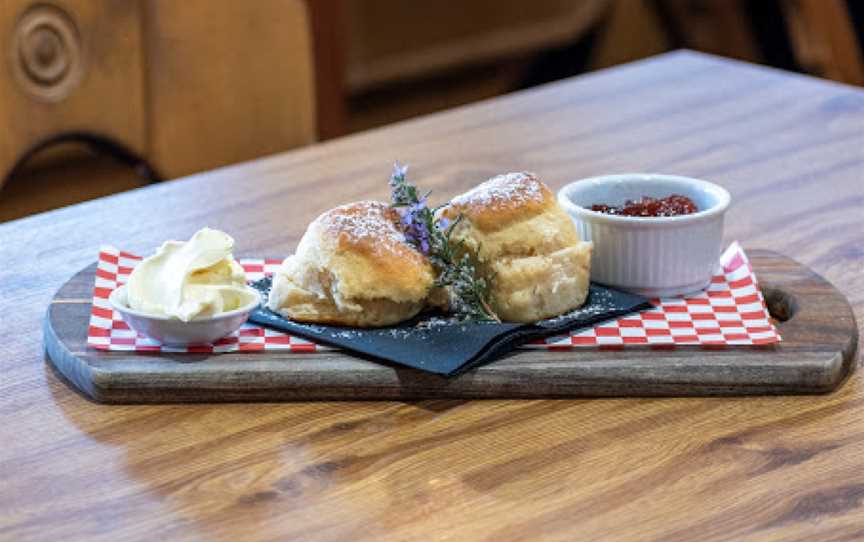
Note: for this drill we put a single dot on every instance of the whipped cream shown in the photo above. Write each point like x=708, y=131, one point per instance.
x=191, y=279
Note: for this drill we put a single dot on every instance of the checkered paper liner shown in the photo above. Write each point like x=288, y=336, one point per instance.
x=108, y=331
x=731, y=311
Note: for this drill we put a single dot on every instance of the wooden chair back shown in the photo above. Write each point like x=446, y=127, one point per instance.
x=187, y=86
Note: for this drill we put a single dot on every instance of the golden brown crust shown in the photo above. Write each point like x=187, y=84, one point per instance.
x=353, y=266
x=502, y=200
x=368, y=241
x=369, y=228
x=527, y=247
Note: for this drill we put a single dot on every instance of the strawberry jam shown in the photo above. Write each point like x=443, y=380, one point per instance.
x=674, y=205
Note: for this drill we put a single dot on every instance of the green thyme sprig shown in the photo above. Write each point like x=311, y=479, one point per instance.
x=457, y=272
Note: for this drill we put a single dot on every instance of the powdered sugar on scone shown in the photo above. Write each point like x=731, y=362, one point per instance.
x=369, y=225
x=513, y=188
x=501, y=200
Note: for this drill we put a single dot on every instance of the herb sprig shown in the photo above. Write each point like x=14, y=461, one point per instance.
x=457, y=272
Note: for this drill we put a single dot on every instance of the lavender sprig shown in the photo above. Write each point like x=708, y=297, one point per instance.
x=469, y=294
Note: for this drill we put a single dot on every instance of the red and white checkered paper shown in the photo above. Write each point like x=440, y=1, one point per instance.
x=108, y=331
x=731, y=311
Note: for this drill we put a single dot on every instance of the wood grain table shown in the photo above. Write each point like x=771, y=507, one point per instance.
x=789, y=148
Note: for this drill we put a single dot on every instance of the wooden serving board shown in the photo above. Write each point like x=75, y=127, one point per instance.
x=820, y=338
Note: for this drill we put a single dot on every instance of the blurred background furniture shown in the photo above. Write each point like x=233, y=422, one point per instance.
x=825, y=39
x=170, y=88
x=187, y=85
x=819, y=37
x=158, y=89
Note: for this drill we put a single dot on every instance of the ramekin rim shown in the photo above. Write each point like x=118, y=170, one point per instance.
x=125, y=309
x=718, y=209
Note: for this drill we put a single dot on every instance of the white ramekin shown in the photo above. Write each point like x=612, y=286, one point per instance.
x=174, y=332
x=655, y=257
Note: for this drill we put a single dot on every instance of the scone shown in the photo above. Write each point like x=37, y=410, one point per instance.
x=353, y=267
x=526, y=247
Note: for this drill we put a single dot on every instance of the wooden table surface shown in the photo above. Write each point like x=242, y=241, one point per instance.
x=789, y=148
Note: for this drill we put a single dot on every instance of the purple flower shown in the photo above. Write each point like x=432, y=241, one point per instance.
x=399, y=170
x=414, y=225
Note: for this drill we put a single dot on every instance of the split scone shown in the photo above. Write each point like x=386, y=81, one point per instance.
x=353, y=267
x=525, y=245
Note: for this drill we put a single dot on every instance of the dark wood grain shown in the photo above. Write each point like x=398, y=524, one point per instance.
x=790, y=149
x=819, y=332
x=327, y=21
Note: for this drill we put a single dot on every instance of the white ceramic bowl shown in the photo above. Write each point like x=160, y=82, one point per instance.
x=174, y=332
x=655, y=257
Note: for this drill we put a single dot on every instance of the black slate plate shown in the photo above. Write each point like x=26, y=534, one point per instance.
x=447, y=347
